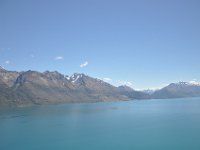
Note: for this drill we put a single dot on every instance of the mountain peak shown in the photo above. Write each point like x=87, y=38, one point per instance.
x=125, y=88
x=76, y=76
x=54, y=74
x=150, y=91
x=2, y=68
x=182, y=83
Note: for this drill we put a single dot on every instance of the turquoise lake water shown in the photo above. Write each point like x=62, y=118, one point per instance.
x=132, y=125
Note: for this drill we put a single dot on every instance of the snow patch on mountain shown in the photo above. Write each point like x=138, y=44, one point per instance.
x=75, y=77
x=190, y=83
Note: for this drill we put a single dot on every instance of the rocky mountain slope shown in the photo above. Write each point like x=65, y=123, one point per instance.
x=33, y=87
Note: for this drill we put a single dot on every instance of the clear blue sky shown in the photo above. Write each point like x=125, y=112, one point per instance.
x=146, y=42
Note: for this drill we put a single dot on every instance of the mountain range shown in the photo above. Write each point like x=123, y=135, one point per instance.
x=32, y=87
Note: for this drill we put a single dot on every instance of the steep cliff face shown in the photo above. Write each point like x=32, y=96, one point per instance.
x=8, y=77
x=7, y=81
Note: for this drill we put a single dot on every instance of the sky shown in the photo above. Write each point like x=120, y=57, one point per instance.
x=140, y=43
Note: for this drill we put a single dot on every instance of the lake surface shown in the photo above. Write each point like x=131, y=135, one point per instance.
x=132, y=125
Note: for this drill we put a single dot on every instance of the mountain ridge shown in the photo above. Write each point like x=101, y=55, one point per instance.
x=49, y=87
x=32, y=87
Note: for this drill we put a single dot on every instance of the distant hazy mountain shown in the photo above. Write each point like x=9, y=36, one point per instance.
x=149, y=91
x=178, y=90
x=125, y=90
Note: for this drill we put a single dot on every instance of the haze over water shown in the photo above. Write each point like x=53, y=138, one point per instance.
x=149, y=124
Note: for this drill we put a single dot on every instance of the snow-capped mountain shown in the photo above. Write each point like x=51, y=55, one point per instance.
x=178, y=90
x=32, y=87
x=75, y=77
x=1, y=68
x=194, y=83
x=149, y=91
